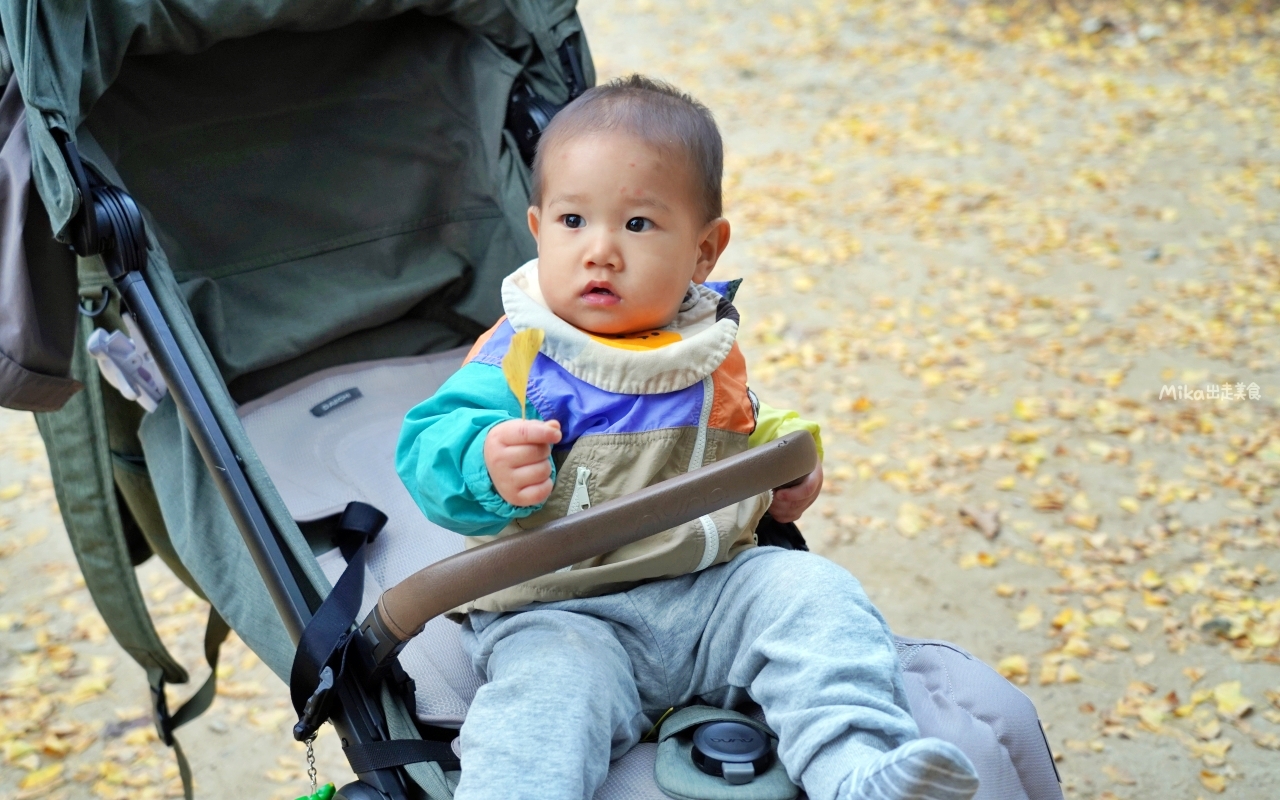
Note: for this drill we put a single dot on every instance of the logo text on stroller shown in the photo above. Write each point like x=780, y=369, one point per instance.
x=341, y=398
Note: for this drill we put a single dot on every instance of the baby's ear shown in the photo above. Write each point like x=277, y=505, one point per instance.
x=714, y=239
x=535, y=221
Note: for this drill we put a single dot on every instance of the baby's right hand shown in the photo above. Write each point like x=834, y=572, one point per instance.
x=517, y=453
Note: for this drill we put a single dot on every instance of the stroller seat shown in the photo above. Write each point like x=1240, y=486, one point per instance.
x=331, y=438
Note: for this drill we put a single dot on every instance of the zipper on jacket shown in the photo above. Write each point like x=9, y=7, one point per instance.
x=579, y=500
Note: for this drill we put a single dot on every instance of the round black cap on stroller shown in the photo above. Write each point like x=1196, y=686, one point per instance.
x=731, y=750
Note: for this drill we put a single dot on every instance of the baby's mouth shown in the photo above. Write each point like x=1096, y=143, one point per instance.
x=599, y=293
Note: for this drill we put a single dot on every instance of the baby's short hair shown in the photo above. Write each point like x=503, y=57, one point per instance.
x=654, y=111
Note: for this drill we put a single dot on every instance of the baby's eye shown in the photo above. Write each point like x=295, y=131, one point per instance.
x=639, y=224
x=573, y=221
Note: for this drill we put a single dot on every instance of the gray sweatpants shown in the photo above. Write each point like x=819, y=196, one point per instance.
x=574, y=684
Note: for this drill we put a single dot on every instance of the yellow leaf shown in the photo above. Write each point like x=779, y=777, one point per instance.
x=1007, y=483
x=1005, y=590
x=1151, y=579
x=1015, y=668
x=1029, y=617
x=1068, y=674
x=519, y=360
x=1130, y=504
x=1077, y=646
x=910, y=521
x=11, y=491
x=1213, y=781
x=1117, y=642
x=41, y=777
x=1029, y=409
x=1231, y=703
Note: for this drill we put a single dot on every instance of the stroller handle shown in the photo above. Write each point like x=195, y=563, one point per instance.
x=405, y=608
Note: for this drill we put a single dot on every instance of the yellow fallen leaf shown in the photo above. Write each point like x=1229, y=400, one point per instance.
x=1085, y=522
x=518, y=361
x=1151, y=579
x=1023, y=435
x=1213, y=781
x=1231, y=703
x=88, y=688
x=16, y=748
x=1130, y=504
x=11, y=491
x=1078, y=647
x=42, y=777
x=1015, y=668
x=1210, y=728
x=910, y=521
x=1005, y=590
x=1063, y=618
x=1030, y=617
x=1117, y=642
x=1104, y=618
x=1068, y=674
x=1007, y=483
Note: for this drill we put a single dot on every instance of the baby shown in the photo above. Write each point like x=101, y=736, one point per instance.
x=639, y=378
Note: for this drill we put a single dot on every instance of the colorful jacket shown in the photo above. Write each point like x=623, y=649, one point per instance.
x=634, y=410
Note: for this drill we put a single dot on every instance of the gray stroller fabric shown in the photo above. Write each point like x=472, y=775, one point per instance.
x=319, y=463
x=956, y=697
x=37, y=326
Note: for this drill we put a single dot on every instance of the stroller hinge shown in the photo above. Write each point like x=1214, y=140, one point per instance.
x=108, y=223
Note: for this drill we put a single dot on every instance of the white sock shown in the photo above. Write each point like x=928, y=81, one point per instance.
x=923, y=769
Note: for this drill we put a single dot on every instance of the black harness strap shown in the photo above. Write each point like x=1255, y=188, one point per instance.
x=383, y=755
x=324, y=642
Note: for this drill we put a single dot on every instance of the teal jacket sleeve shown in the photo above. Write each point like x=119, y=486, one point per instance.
x=440, y=455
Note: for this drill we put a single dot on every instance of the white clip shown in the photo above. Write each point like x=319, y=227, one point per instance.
x=126, y=362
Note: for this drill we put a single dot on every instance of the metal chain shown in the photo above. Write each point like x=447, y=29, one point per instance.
x=311, y=765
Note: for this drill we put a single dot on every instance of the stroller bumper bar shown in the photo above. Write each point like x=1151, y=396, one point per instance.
x=404, y=609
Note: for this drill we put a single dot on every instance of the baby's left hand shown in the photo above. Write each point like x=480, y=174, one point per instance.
x=789, y=504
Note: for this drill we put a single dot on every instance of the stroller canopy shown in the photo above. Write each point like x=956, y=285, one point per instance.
x=322, y=178
x=67, y=56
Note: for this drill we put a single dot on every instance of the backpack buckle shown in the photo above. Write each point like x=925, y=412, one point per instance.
x=160, y=711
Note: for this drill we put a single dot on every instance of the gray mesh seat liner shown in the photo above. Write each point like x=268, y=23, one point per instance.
x=320, y=463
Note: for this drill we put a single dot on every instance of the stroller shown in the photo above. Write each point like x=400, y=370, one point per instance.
x=305, y=211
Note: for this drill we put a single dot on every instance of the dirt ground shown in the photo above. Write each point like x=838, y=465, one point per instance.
x=1022, y=264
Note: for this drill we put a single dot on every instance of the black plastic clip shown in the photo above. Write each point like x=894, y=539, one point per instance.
x=529, y=114
x=317, y=709
x=160, y=710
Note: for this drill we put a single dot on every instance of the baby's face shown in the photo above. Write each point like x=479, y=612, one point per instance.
x=620, y=234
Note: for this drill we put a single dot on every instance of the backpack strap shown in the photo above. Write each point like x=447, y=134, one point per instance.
x=75, y=437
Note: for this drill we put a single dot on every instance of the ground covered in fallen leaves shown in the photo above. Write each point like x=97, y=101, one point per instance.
x=1022, y=261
